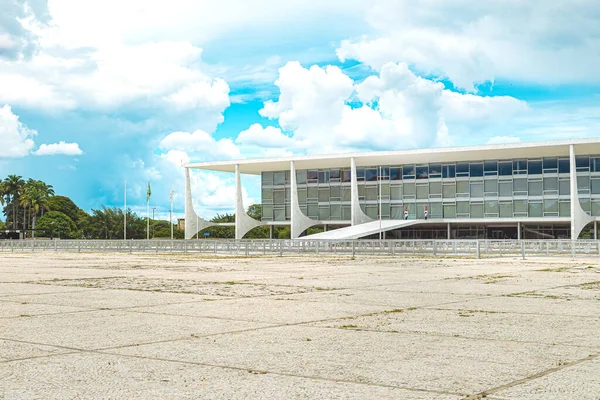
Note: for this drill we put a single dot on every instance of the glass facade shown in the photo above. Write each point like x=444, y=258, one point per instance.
x=477, y=189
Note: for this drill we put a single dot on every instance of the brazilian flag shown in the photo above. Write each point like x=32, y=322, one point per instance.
x=149, y=193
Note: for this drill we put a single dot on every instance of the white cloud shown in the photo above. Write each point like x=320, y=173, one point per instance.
x=69, y=149
x=504, y=140
x=201, y=143
x=16, y=138
x=470, y=43
x=317, y=106
x=270, y=136
x=213, y=96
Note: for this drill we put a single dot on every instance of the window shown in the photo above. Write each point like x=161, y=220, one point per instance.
x=520, y=186
x=372, y=211
x=564, y=208
x=267, y=178
x=449, y=190
x=267, y=213
x=551, y=184
x=491, y=186
x=449, y=210
x=279, y=178
x=505, y=188
x=595, y=185
x=596, y=208
x=595, y=164
x=346, y=194
x=435, y=170
x=312, y=193
x=564, y=187
x=564, y=166
x=435, y=210
x=476, y=169
x=278, y=197
x=335, y=193
x=422, y=172
x=302, y=196
x=360, y=174
x=385, y=173
x=462, y=208
x=490, y=167
x=435, y=188
x=535, y=188
x=323, y=176
x=395, y=173
x=312, y=176
x=396, y=192
x=371, y=193
x=301, y=177
x=534, y=167
x=267, y=195
x=346, y=175
x=462, y=169
x=520, y=208
x=582, y=163
x=519, y=167
x=371, y=174
x=346, y=213
x=448, y=171
x=408, y=171
x=506, y=210
x=491, y=208
x=462, y=187
x=583, y=184
x=279, y=213
x=550, y=164
x=535, y=209
x=323, y=195
x=313, y=211
x=551, y=207
x=476, y=210
x=422, y=192
x=324, y=213
x=336, y=212
x=410, y=190
x=476, y=189
x=505, y=168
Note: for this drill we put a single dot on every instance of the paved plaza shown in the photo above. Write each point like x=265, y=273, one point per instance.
x=125, y=326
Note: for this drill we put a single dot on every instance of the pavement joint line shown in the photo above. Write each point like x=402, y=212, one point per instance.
x=436, y=334
x=509, y=312
x=286, y=374
x=5, y=297
x=40, y=356
x=50, y=314
x=531, y=377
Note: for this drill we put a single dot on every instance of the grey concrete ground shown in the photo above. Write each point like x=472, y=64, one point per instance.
x=172, y=327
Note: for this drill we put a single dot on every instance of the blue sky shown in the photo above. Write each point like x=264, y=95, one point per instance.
x=85, y=108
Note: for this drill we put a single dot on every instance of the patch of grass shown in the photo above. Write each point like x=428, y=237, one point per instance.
x=395, y=310
x=349, y=326
x=308, y=339
x=561, y=269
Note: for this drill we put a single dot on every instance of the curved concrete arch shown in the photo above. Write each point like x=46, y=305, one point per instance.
x=243, y=222
x=299, y=221
x=579, y=218
x=357, y=214
x=193, y=223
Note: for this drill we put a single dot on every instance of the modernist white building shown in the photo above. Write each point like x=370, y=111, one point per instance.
x=525, y=190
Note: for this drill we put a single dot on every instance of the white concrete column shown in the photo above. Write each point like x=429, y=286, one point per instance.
x=193, y=223
x=358, y=216
x=579, y=218
x=299, y=221
x=595, y=230
x=243, y=222
x=271, y=232
x=519, y=230
x=449, y=231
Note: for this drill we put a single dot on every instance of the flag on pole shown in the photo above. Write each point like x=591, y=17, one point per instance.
x=171, y=194
x=149, y=193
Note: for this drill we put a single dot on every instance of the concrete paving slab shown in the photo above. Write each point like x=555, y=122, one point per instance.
x=15, y=289
x=18, y=350
x=101, y=329
x=267, y=310
x=10, y=309
x=88, y=376
x=405, y=360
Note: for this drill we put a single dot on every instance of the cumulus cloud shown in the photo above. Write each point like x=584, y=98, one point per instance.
x=69, y=149
x=16, y=40
x=201, y=144
x=15, y=137
x=322, y=110
x=470, y=43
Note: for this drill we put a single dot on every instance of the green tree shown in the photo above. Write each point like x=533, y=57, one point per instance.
x=66, y=206
x=13, y=188
x=35, y=198
x=59, y=223
x=2, y=225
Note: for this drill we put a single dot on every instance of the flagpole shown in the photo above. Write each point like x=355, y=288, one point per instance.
x=171, y=211
x=148, y=213
x=125, y=212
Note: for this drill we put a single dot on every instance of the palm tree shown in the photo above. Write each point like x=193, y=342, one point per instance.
x=13, y=187
x=37, y=200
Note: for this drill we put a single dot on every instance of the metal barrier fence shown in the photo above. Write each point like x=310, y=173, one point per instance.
x=462, y=248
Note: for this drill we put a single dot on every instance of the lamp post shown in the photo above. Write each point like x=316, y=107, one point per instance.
x=153, y=223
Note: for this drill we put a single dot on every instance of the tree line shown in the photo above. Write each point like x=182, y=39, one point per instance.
x=32, y=205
